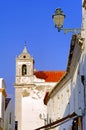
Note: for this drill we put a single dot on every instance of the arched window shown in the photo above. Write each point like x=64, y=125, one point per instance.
x=24, y=69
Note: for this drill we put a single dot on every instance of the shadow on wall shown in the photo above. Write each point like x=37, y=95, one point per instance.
x=75, y=105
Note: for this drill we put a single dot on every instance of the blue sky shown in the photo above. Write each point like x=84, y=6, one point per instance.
x=31, y=21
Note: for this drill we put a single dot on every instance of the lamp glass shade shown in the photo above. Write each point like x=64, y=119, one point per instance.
x=58, y=18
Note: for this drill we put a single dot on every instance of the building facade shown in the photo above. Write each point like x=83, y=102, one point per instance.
x=83, y=59
x=66, y=103
x=30, y=88
x=9, y=119
x=2, y=102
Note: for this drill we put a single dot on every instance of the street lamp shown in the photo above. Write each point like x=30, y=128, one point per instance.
x=58, y=18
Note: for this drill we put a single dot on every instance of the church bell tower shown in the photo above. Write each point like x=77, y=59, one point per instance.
x=24, y=76
x=24, y=67
x=29, y=93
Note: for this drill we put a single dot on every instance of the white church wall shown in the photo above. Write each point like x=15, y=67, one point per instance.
x=33, y=111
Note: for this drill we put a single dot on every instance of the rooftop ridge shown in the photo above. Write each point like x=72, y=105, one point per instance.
x=49, y=76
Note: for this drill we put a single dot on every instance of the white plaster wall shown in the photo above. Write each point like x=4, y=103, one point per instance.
x=83, y=63
x=2, y=101
x=78, y=90
x=31, y=110
x=64, y=97
x=67, y=100
x=2, y=108
x=2, y=83
x=58, y=106
x=49, y=109
x=7, y=125
x=72, y=98
x=0, y=105
x=76, y=87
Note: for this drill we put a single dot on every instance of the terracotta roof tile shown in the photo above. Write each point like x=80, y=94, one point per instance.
x=49, y=76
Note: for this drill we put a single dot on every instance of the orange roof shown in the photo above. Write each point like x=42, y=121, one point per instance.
x=49, y=76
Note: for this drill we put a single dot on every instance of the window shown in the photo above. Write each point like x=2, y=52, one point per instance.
x=24, y=69
x=10, y=118
x=16, y=125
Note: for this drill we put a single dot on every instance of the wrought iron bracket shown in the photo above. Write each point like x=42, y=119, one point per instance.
x=73, y=30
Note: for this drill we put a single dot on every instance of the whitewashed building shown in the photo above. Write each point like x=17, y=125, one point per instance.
x=30, y=88
x=9, y=119
x=83, y=59
x=66, y=103
x=2, y=102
